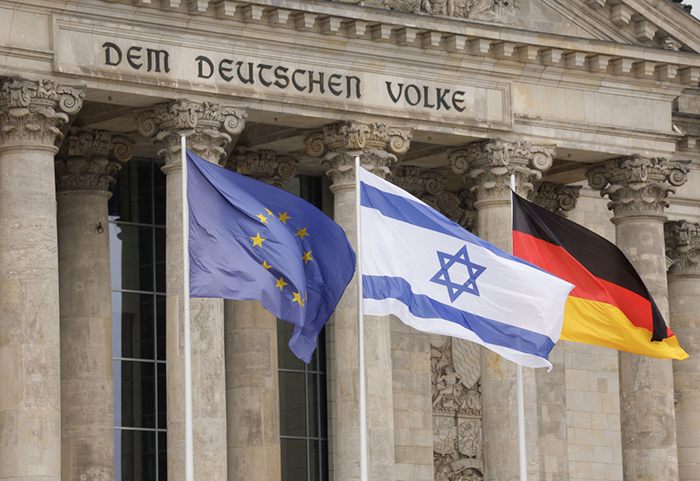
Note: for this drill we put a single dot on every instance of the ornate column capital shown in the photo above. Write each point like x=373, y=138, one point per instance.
x=417, y=181
x=87, y=165
x=208, y=127
x=683, y=247
x=34, y=112
x=557, y=198
x=489, y=164
x=637, y=185
x=375, y=143
x=264, y=165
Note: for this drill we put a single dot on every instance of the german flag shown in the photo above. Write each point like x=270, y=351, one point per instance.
x=610, y=305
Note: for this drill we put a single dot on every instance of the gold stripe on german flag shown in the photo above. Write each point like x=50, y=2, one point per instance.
x=610, y=305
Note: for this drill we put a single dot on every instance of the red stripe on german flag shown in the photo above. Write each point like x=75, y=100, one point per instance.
x=610, y=305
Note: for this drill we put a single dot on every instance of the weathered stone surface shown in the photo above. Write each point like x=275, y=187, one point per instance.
x=557, y=198
x=264, y=165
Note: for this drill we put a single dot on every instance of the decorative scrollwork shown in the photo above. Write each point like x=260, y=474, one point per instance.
x=683, y=247
x=264, y=165
x=557, y=198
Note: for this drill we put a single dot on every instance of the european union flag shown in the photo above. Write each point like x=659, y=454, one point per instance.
x=253, y=241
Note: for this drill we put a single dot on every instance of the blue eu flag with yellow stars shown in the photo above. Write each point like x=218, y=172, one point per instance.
x=252, y=241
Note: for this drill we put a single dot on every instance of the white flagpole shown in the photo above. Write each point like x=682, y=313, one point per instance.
x=522, y=453
x=189, y=453
x=360, y=331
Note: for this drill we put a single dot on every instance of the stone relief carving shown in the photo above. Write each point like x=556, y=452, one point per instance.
x=457, y=437
x=498, y=11
x=637, y=185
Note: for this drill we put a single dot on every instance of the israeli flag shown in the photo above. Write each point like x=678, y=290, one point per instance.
x=437, y=277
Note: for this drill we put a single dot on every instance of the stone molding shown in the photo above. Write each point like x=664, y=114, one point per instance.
x=489, y=164
x=488, y=41
x=375, y=143
x=637, y=185
x=87, y=165
x=557, y=198
x=457, y=409
x=265, y=165
x=33, y=112
x=683, y=247
x=498, y=11
x=209, y=127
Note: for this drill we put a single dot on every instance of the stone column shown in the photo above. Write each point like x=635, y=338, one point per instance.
x=551, y=394
x=683, y=247
x=376, y=145
x=208, y=127
x=637, y=188
x=252, y=383
x=87, y=396
x=31, y=117
x=488, y=165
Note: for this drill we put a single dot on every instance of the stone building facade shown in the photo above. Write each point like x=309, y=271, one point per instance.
x=594, y=104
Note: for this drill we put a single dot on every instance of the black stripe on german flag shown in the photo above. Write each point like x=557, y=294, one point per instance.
x=610, y=305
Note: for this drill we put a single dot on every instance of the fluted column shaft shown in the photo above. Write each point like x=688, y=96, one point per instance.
x=637, y=188
x=208, y=128
x=489, y=164
x=338, y=145
x=683, y=247
x=252, y=381
x=87, y=395
x=31, y=115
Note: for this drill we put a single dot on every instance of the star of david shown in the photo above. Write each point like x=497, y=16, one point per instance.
x=443, y=275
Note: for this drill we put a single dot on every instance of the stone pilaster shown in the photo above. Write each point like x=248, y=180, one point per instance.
x=252, y=381
x=489, y=164
x=557, y=198
x=87, y=395
x=637, y=188
x=683, y=248
x=31, y=117
x=376, y=145
x=209, y=128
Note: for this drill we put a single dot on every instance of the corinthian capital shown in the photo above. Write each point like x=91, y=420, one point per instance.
x=207, y=125
x=683, y=247
x=557, y=198
x=417, y=181
x=637, y=185
x=88, y=165
x=338, y=144
x=489, y=164
x=34, y=112
x=264, y=165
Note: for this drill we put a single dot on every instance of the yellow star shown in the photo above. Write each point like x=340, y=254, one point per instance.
x=303, y=301
x=283, y=216
x=307, y=257
x=297, y=298
x=266, y=265
x=280, y=283
x=257, y=240
x=301, y=232
x=262, y=218
x=269, y=212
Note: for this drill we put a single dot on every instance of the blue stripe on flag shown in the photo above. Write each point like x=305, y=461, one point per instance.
x=414, y=213
x=490, y=331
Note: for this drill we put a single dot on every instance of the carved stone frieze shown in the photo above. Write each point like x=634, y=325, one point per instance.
x=207, y=125
x=338, y=144
x=557, y=198
x=87, y=165
x=497, y=11
x=264, y=165
x=457, y=432
x=489, y=164
x=637, y=185
x=683, y=247
x=34, y=112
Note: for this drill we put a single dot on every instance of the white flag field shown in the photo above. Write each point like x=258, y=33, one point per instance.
x=437, y=277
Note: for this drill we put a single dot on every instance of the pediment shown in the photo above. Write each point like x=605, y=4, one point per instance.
x=650, y=23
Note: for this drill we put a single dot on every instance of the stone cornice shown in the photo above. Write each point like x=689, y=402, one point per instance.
x=636, y=185
x=454, y=36
x=683, y=247
x=265, y=165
